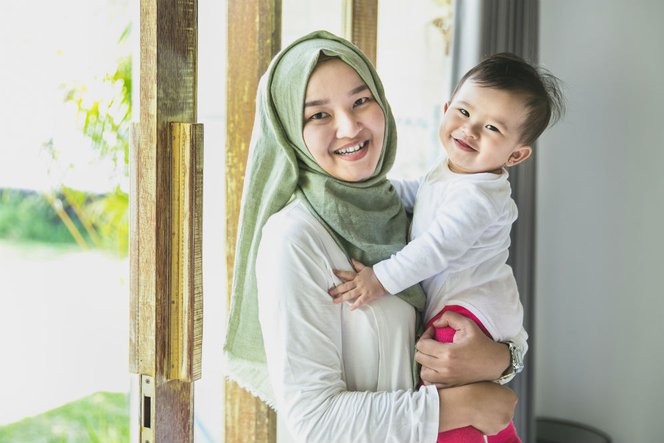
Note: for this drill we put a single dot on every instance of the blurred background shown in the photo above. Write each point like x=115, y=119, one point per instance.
x=66, y=94
x=67, y=99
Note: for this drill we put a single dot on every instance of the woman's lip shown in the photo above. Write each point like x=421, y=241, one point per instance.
x=357, y=155
x=463, y=146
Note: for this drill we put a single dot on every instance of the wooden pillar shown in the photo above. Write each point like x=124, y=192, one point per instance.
x=165, y=242
x=362, y=25
x=254, y=37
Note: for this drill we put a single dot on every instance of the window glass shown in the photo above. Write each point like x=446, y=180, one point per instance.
x=413, y=60
x=64, y=292
x=299, y=17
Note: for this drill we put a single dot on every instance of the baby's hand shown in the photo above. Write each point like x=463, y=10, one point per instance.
x=361, y=287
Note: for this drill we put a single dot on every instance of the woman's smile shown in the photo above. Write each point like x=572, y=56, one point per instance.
x=344, y=127
x=353, y=151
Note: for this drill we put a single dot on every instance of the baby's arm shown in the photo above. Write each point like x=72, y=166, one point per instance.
x=407, y=191
x=361, y=286
x=462, y=217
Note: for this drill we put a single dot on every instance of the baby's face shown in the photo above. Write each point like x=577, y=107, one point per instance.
x=481, y=129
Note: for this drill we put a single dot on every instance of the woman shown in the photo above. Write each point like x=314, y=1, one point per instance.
x=316, y=196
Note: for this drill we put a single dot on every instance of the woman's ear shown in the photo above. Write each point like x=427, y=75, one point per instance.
x=519, y=155
x=445, y=106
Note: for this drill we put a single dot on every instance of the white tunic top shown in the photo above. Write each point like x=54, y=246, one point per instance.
x=337, y=376
x=460, y=236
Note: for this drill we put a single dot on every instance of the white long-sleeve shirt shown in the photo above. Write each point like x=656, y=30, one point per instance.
x=337, y=376
x=460, y=236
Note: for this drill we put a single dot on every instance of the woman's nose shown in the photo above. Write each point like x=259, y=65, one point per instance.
x=348, y=125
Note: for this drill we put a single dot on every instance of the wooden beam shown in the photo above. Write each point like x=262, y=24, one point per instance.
x=168, y=87
x=254, y=37
x=362, y=25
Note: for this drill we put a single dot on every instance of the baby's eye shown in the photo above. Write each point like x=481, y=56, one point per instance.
x=361, y=101
x=492, y=128
x=464, y=112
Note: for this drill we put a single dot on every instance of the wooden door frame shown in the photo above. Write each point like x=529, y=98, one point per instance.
x=254, y=38
x=165, y=221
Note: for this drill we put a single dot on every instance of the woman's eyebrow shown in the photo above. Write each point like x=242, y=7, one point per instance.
x=326, y=101
x=316, y=102
x=358, y=89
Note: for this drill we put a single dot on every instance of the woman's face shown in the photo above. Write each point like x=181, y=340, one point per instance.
x=344, y=126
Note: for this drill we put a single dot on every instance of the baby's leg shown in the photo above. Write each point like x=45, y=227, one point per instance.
x=469, y=434
x=507, y=435
x=461, y=435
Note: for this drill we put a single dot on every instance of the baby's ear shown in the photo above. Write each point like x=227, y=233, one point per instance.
x=519, y=155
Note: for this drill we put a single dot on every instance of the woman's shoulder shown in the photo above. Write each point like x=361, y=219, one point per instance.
x=292, y=219
x=293, y=239
x=295, y=225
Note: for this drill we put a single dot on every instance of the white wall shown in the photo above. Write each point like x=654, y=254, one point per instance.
x=212, y=50
x=600, y=259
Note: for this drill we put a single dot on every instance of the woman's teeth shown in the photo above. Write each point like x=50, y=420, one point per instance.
x=351, y=149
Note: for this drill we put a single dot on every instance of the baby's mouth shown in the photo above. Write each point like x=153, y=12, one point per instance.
x=463, y=145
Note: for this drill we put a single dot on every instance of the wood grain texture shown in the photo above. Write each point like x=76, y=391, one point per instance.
x=254, y=37
x=186, y=303
x=364, y=26
x=168, y=87
x=134, y=311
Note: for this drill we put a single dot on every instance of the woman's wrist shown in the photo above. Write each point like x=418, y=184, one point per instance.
x=454, y=411
x=515, y=365
x=486, y=406
x=502, y=358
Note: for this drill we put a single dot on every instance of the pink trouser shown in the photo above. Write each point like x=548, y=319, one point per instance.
x=469, y=434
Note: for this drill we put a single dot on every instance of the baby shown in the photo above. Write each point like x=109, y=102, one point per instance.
x=463, y=212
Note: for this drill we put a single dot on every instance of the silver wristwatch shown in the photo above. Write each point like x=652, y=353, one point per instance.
x=516, y=363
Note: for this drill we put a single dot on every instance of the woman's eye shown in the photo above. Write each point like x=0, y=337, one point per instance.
x=361, y=101
x=318, y=116
x=464, y=112
x=492, y=128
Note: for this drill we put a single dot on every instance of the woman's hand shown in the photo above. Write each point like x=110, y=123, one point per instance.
x=472, y=357
x=486, y=406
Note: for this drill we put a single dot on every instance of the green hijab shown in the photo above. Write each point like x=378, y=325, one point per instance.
x=366, y=218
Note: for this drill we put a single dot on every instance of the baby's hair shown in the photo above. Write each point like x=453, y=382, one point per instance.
x=540, y=89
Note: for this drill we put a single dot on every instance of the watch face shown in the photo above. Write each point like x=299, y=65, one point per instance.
x=517, y=358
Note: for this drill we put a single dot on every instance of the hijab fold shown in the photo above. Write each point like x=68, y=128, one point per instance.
x=366, y=218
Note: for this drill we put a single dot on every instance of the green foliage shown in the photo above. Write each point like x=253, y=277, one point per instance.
x=102, y=417
x=111, y=214
x=104, y=110
x=106, y=216
x=28, y=215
